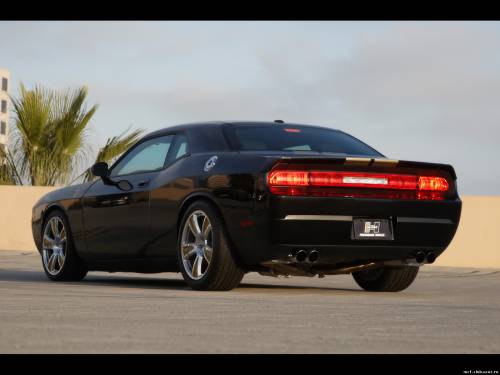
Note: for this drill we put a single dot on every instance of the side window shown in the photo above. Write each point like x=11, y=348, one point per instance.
x=147, y=157
x=181, y=147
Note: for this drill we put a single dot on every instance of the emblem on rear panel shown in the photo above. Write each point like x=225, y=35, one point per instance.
x=372, y=227
x=210, y=163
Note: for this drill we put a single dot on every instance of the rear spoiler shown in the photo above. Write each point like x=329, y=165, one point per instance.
x=368, y=162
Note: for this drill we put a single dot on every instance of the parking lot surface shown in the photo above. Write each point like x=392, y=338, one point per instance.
x=446, y=310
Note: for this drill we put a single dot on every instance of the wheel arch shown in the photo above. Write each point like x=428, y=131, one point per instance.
x=210, y=199
x=195, y=197
x=51, y=208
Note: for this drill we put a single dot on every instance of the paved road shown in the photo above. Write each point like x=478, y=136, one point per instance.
x=445, y=310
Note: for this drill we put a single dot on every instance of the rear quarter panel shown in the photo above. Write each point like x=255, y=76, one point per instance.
x=231, y=185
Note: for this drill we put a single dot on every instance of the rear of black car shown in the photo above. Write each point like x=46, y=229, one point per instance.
x=347, y=224
x=338, y=202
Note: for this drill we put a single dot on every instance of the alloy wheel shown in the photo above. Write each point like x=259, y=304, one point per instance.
x=197, y=245
x=54, y=246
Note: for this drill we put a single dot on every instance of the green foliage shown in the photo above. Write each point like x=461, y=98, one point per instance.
x=114, y=147
x=49, y=139
x=7, y=170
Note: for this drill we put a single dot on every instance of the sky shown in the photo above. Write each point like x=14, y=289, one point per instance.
x=426, y=91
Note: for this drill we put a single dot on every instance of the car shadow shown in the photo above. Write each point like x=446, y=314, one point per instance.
x=153, y=283
x=22, y=275
x=150, y=283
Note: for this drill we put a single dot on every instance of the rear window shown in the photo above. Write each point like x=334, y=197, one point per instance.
x=299, y=139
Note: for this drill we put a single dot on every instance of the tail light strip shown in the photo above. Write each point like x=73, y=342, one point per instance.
x=298, y=182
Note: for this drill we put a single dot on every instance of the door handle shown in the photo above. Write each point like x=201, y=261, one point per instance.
x=143, y=183
x=112, y=202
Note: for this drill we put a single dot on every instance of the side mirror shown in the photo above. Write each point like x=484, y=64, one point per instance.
x=100, y=169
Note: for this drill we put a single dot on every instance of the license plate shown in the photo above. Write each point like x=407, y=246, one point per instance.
x=372, y=229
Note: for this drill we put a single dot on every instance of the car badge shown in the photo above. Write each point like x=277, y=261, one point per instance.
x=210, y=163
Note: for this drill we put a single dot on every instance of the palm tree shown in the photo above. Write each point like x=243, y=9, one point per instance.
x=49, y=140
x=114, y=147
x=8, y=172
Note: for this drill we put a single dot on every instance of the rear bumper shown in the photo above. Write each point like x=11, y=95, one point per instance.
x=286, y=224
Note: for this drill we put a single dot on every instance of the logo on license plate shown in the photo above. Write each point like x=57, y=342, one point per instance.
x=372, y=229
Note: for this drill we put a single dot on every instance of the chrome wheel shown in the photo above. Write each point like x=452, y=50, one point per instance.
x=197, y=245
x=54, y=246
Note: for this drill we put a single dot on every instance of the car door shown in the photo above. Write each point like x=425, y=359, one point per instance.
x=167, y=193
x=117, y=222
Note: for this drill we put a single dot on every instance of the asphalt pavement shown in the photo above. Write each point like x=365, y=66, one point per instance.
x=446, y=310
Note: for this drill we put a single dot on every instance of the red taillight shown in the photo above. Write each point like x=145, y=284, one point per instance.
x=432, y=183
x=325, y=183
x=288, y=178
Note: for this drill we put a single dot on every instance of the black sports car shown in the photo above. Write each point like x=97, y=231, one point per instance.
x=216, y=200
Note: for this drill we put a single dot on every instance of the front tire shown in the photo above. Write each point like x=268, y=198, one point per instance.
x=204, y=254
x=386, y=279
x=59, y=258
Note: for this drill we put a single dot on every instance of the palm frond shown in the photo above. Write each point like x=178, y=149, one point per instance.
x=9, y=175
x=114, y=147
x=50, y=132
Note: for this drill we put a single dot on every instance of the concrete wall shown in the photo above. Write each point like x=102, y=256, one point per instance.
x=16, y=203
x=477, y=241
x=476, y=244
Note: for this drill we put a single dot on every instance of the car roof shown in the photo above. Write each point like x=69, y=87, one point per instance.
x=194, y=125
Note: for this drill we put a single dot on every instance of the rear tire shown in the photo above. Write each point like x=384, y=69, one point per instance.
x=386, y=279
x=59, y=258
x=203, y=251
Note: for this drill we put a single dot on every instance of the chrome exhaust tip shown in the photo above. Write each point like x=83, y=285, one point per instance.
x=301, y=256
x=431, y=257
x=420, y=257
x=313, y=256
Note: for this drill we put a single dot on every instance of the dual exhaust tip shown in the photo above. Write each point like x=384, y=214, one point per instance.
x=312, y=256
x=421, y=257
x=302, y=256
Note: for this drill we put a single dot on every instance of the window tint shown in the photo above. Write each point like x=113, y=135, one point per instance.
x=299, y=139
x=207, y=138
x=4, y=106
x=181, y=151
x=3, y=127
x=148, y=156
x=181, y=146
x=5, y=84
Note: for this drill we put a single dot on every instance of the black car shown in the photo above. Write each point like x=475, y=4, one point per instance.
x=216, y=200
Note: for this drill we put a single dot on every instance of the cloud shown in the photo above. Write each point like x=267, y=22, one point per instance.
x=427, y=91
x=418, y=91
x=414, y=90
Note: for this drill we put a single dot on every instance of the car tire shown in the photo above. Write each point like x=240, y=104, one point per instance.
x=59, y=258
x=386, y=279
x=204, y=253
